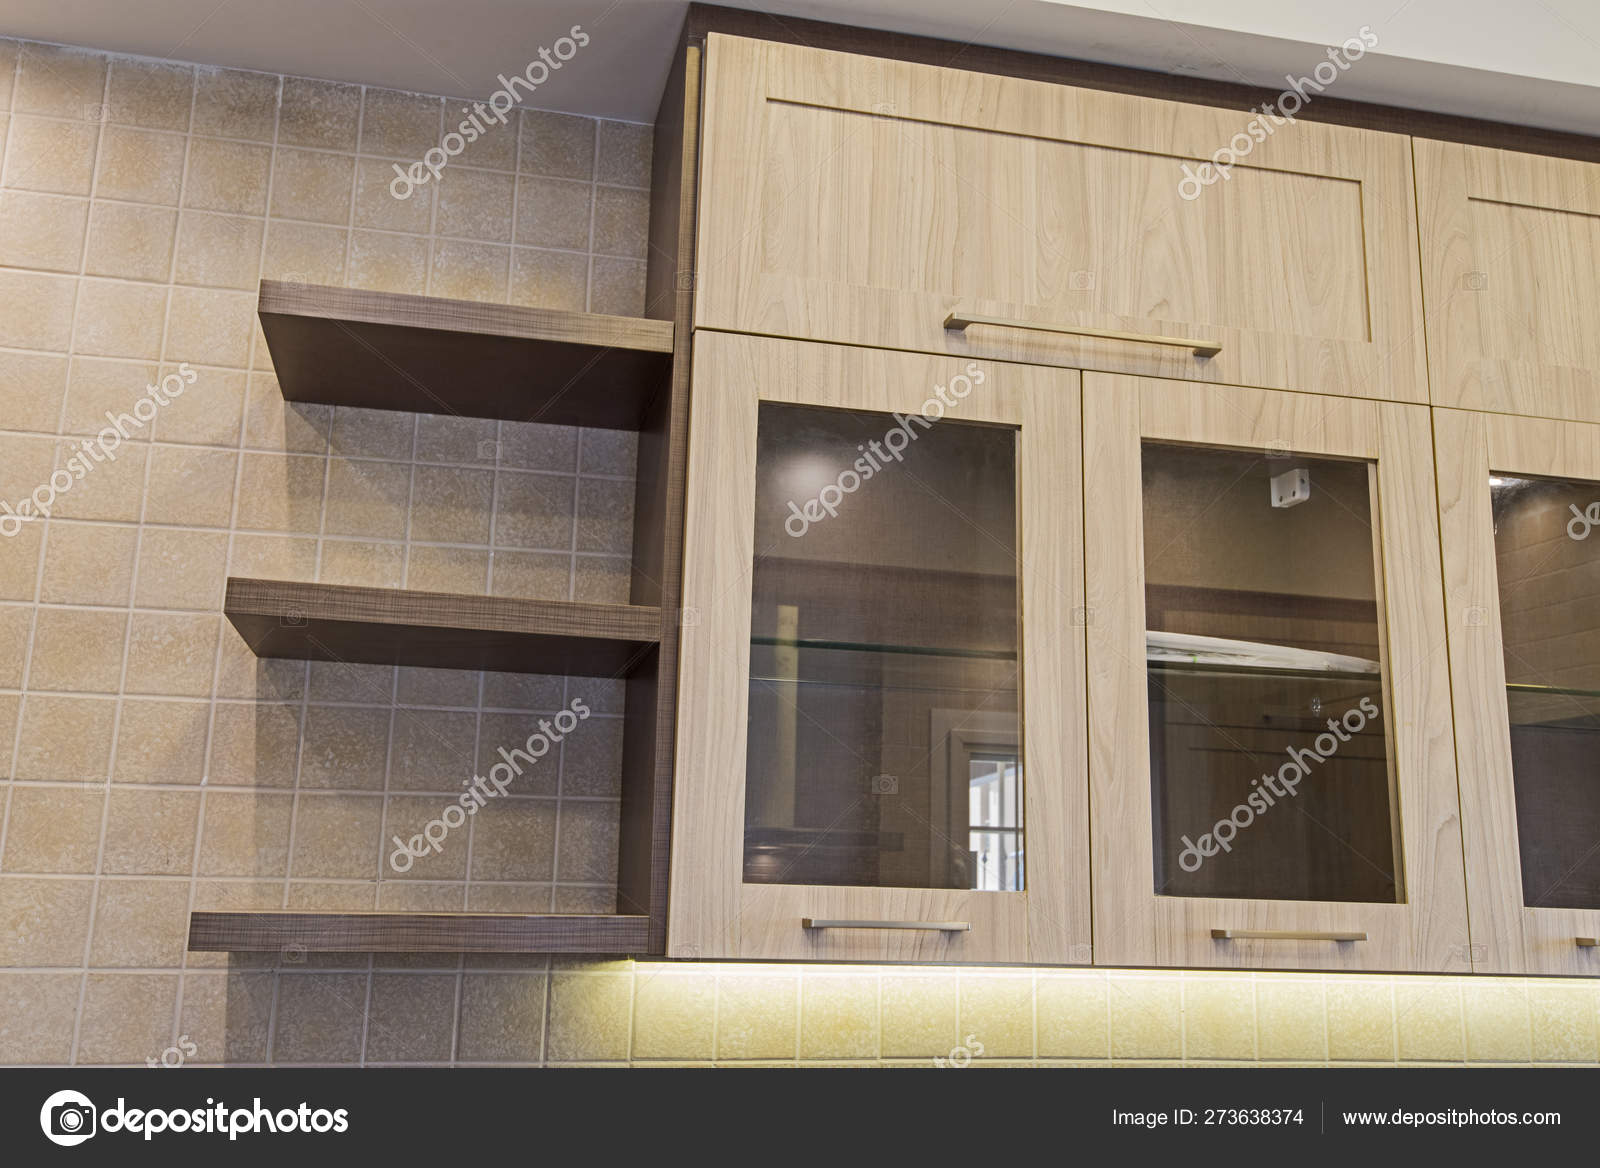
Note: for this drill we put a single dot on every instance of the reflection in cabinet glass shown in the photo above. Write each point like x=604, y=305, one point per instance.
x=883, y=728
x=1270, y=766
x=1548, y=570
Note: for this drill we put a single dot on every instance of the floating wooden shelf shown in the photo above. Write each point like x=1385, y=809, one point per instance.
x=390, y=351
x=291, y=933
x=392, y=626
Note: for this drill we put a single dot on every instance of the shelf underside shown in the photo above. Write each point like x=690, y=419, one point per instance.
x=390, y=351
x=389, y=626
x=397, y=932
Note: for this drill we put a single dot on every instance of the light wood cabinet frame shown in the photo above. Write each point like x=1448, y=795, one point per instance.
x=859, y=200
x=1133, y=925
x=1507, y=936
x=1511, y=279
x=714, y=913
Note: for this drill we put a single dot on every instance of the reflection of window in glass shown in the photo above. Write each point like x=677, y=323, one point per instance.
x=1548, y=561
x=883, y=632
x=994, y=814
x=1269, y=761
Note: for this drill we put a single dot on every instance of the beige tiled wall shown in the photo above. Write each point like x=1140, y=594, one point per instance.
x=152, y=765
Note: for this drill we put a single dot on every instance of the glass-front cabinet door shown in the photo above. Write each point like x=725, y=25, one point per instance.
x=881, y=751
x=1272, y=779
x=1520, y=510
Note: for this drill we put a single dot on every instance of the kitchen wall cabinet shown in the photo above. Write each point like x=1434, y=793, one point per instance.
x=874, y=202
x=1273, y=784
x=1519, y=504
x=881, y=749
x=1511, y=272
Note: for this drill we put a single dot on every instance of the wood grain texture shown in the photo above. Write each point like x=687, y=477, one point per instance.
x=399, y=932
x=705, y=19
x=1508, y=936
x=391, y=351
x=862, y=201
x=1135, y=926
x=392, y=626
x=714, y=914
x=1511, y=274
x=650, y=734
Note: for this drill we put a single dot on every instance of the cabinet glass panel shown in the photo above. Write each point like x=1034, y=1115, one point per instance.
x=884, y=739
x=1269, y=753
x=1547, y=554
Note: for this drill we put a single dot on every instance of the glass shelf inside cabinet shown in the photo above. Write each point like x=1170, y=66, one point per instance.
x=1548, y=567
x=884, y=745
x=1269, y=755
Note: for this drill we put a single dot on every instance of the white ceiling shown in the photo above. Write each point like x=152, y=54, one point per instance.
x=1533, y=64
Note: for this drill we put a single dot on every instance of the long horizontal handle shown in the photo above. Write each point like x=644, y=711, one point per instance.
x=1281, y=935
x=928, y=926
x=1588, y=942
x=958, y=321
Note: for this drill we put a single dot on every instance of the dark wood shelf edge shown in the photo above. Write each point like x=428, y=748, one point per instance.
x=294, y=933
x=395, y=351
x=473, y=317
x=336, y=622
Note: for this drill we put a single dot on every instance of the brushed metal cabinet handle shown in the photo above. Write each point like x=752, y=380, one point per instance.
x=1281, y=935
x=958, y=321
x=928, y=926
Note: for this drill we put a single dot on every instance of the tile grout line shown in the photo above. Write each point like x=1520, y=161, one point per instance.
x=105, y=806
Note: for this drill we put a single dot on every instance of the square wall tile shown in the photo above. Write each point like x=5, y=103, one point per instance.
x=502, y=1018
x=323, y=114
x=130, y=242
x=160, y=741
x=47, y=155
x=1146, y=1016
x=589, y=1017
x=157, y=95
x=150, y=833
x=140, y=166
x=675, y=1014
x=126, y=1017
x=54, y=830
x=234, y=103
x=557, y=145
x=45, y=232
x=60, y=81
x=401, y=125
x=65, y=740
x=37, y=1028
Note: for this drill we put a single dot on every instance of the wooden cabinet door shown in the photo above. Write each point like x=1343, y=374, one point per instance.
x=1519, y=502
x=1511, y=278
x=1262, y=565
x=873, y=648
x=865, y=201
